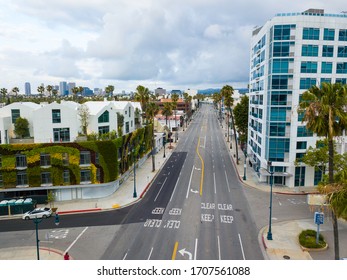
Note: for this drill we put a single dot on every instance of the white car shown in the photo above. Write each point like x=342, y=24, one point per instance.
x=39, y=213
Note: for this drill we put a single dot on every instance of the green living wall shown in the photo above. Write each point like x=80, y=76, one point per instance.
x=111, y=157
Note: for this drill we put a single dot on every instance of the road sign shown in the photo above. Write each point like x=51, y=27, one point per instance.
x=318, y=218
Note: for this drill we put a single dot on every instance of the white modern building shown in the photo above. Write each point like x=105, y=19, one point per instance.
x=289, y=54
x=60, y=122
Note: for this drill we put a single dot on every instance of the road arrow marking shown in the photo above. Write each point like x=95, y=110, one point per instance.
x=197, y=168
x=183, y=252
x=194, y=191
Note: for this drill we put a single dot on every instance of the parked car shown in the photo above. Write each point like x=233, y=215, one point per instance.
x=38, y=213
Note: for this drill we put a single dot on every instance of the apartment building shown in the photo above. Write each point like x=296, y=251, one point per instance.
x=290, y=53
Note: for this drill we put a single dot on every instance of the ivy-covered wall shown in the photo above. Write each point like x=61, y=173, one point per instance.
x=114, y=158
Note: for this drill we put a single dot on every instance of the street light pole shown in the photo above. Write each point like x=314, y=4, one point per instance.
x=164, y=141
x=244, y=165
x=269, y=233
x=37, y=221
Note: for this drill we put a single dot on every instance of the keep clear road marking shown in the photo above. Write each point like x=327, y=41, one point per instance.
x=73, y=243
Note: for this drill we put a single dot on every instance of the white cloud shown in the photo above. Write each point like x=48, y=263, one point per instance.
x=182, y=43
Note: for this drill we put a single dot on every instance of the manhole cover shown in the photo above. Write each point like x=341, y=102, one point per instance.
x=286, y=257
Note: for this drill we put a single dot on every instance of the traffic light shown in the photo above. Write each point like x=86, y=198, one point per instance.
x=56, y=219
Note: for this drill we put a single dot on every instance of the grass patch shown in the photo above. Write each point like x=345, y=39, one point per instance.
x=307, y=239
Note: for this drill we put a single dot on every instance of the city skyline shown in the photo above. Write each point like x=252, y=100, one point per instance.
x=94, y=44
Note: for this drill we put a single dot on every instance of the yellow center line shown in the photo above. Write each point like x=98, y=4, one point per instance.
x=202, y=167
x=174, y=251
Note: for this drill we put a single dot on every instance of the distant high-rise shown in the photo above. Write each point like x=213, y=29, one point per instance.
x=63, y=90
x=27, y=88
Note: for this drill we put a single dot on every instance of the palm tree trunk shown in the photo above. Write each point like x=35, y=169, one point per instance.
x=153, y=147
x=331, y=181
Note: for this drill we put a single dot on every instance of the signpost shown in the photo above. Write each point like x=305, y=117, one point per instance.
x=318, y=220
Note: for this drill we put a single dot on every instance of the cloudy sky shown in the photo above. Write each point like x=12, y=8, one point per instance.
x=176, y=44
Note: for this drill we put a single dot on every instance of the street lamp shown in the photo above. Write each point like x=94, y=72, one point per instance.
x=269, y=233
x=164, y=141
x=36, y=222
x=244, y=164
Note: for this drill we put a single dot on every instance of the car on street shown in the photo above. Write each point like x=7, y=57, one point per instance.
x=39, y=213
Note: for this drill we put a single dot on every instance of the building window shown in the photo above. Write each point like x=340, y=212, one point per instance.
x=97, y=158
x=301, y=145
x=280, y=65
x=15, y=114
x=306, y=83
x=341, y=68
x=308, y=67
x=22, y=178
x=310, y=33
x=103, y=129
x=300, y=176
x=282, y=32
x=342, y=51
x=85, y=157
x=328, y=51
x=56, y=117
x=105, y=117
x=281, y=49
x=46, y=178
x=278, y=114
x=343, y=35
x=325, y=80
x=65, y=158
x=61, y=134
x=21, y=161
x=327, y=67
x=85, y=176
x=299, y=156
x=66, y=176
x=342, y=81
x=277, y=129
x=302, y=131
x=1, y=180
x=280, y=81
x=129, y=112
x=0, y=160
x=127, y=127
x=45, y=159
x=309, y=50
x=277, y=148
x=329, y=34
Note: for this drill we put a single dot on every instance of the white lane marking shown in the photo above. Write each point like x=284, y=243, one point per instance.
x=243, y=253
x=160, y=189
x=73, y=243
x=190, y=180
x=179, y=176
x=125, y=256
x=150, y=254
x=219, y=255
x=226, y=178
x=196, y=248
x=214, y=182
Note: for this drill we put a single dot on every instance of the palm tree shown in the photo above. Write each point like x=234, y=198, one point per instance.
x=174, y=98
x=227, y=92
x=41, y=90
x=75, y=91
x=49, y=88
x=3, y=92
x=55, y=93
x=15, y=90
x=152, y=109
x=109, y=90
x=324, y=111
x=142, y=95
x=167, y=111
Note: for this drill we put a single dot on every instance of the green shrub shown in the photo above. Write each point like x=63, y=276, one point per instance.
x=307, y=239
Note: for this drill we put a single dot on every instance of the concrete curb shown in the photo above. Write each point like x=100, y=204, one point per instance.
x=78, y=211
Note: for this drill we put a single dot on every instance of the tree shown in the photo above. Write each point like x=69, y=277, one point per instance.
x=3, y=92
x=75, y=91
x=324, y=112
x=227, y=92
x=109, y=90
x=84, y=114
x=120, y=123
x=21, y=127
x=49, y=88
x=167, y=110
x=41, y=90
x=142, y=95
x=152, y=109
x=241, y=119
x=15, y=90
x=174, y=98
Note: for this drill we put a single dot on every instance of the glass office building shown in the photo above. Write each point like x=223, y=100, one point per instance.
x=289, y=54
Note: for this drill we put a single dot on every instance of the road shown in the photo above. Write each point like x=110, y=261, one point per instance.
x=195, y=209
